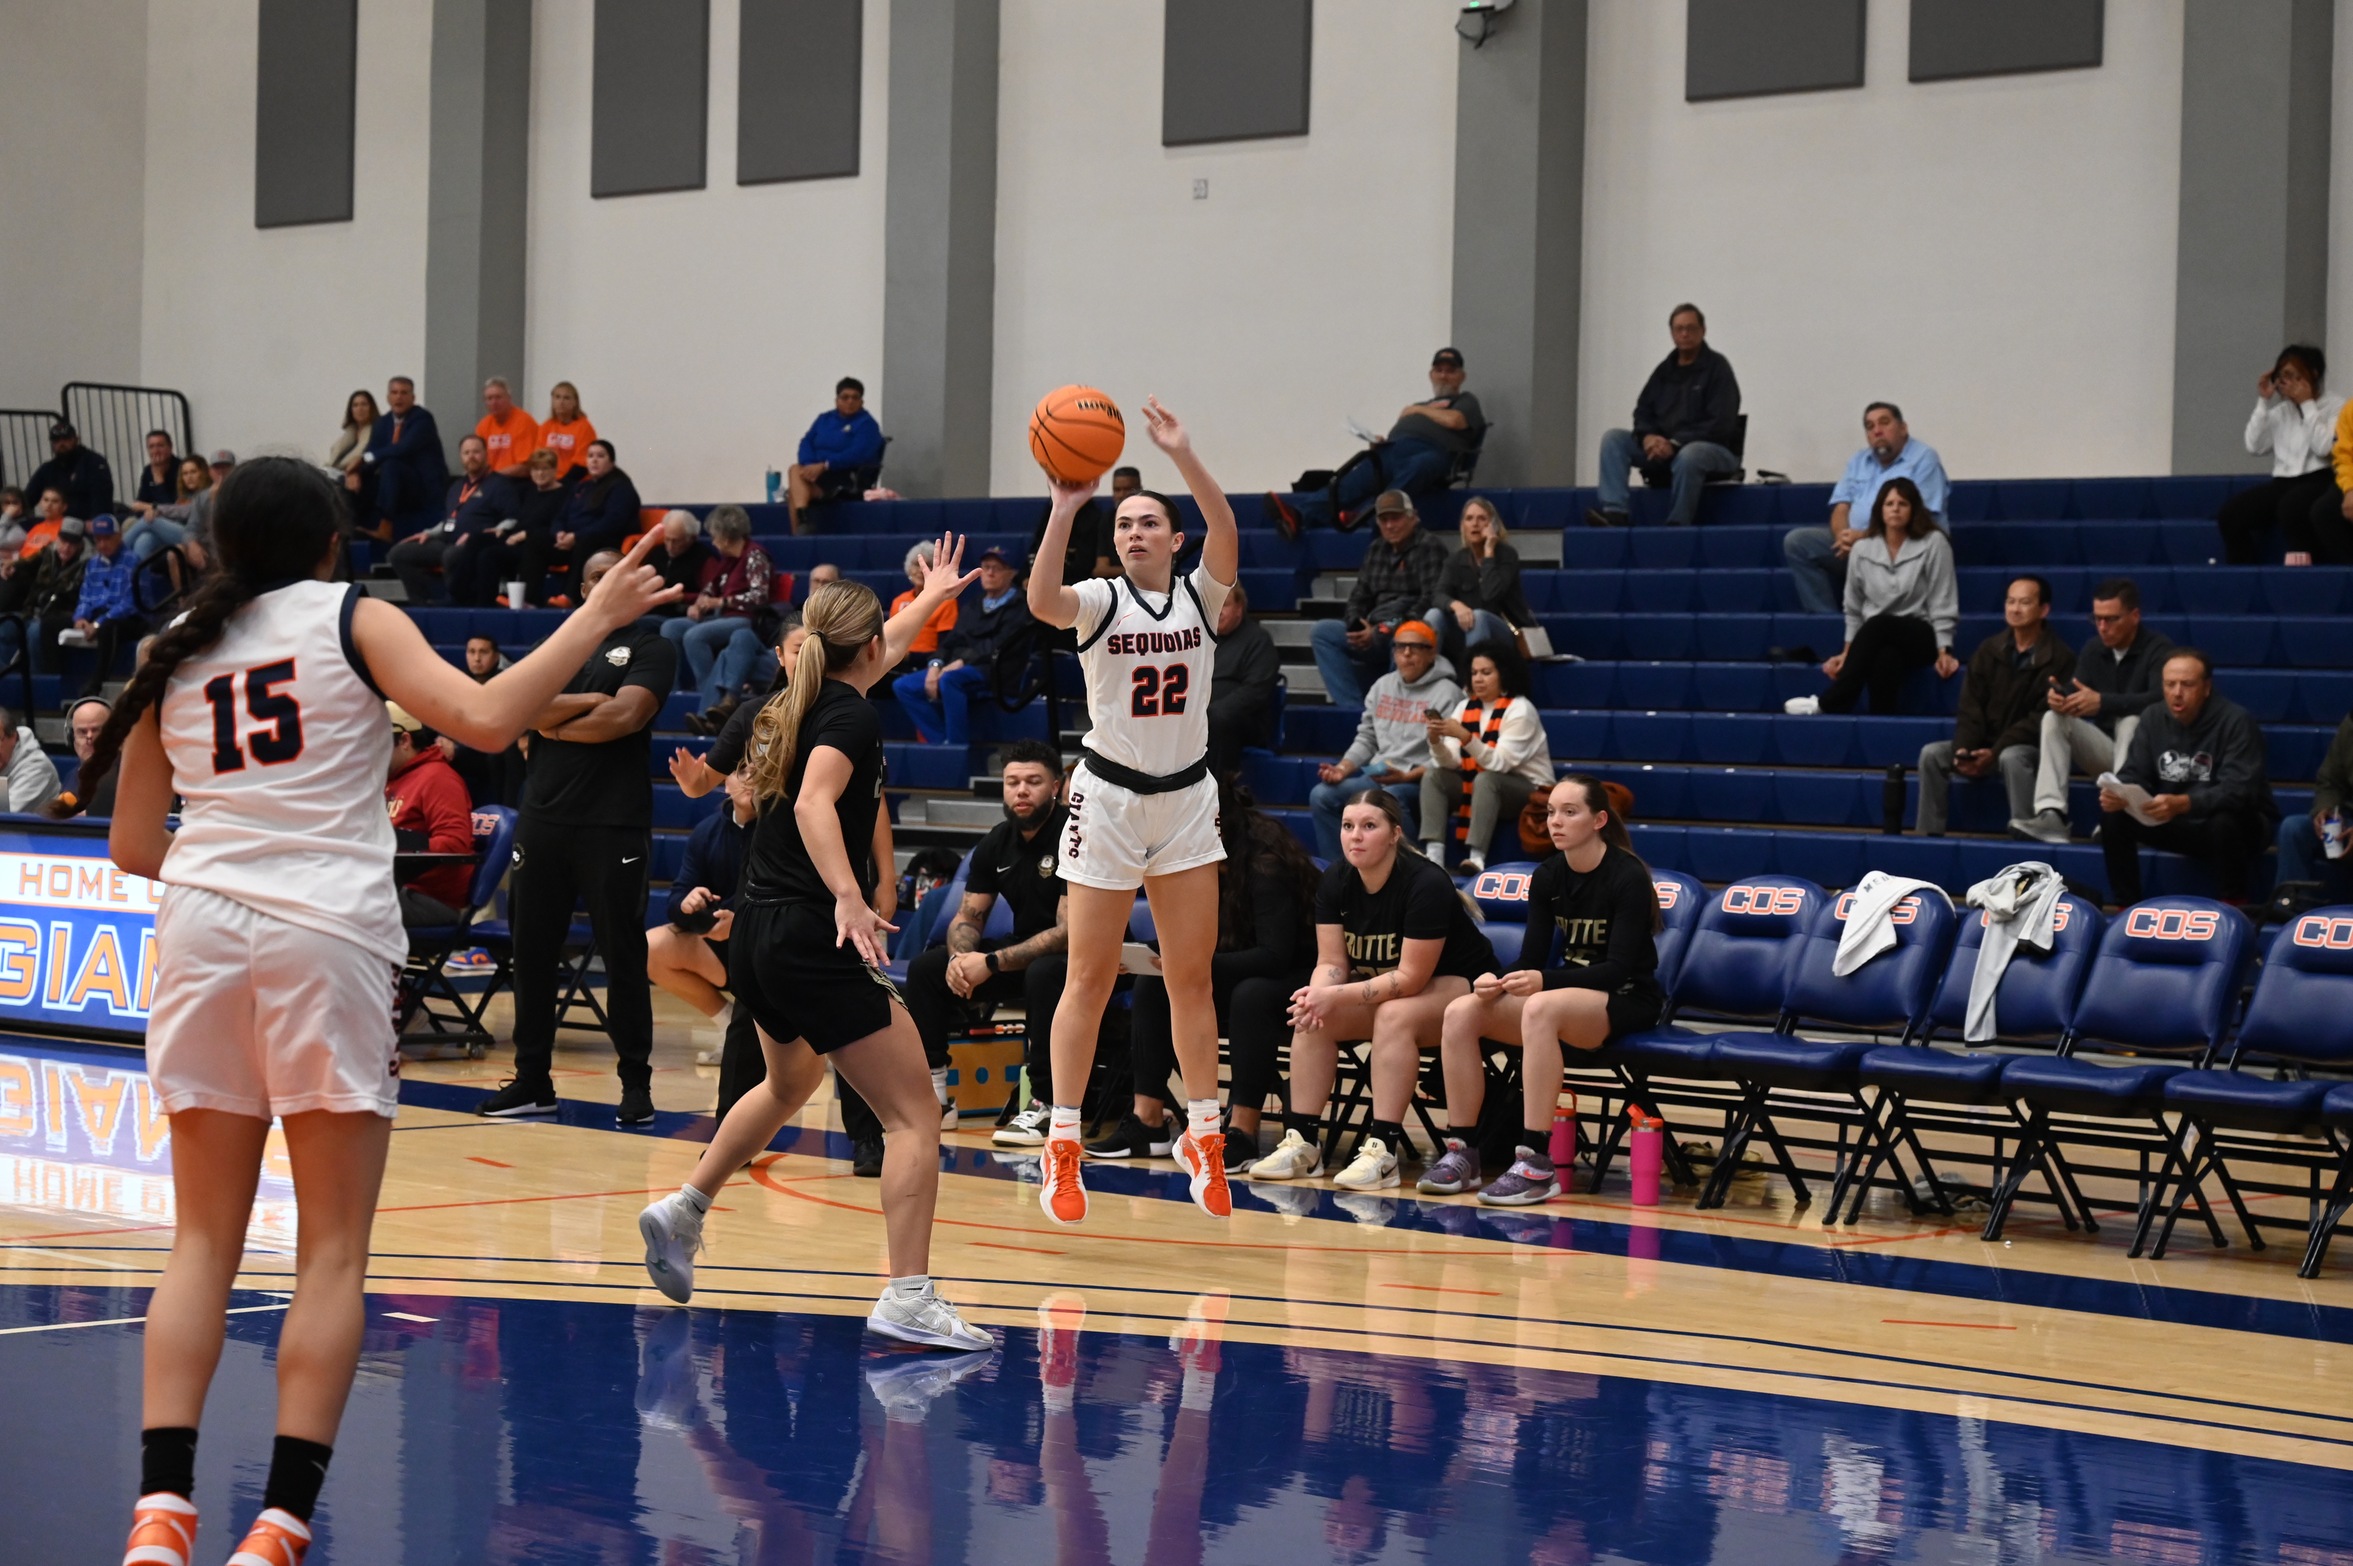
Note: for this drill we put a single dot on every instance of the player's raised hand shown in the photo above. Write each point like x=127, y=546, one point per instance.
x=633, y=588
x=1166, y=430
x=945, y=577
x=1069, y=497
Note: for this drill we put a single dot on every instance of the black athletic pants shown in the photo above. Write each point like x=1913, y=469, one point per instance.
x=938, y=1011
x=2228, y=842
x=2248, y=517
x=1254, y=1015
x=557, y=867
x=1881, y=658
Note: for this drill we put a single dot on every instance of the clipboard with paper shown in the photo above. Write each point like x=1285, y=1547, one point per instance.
x=2136, y=798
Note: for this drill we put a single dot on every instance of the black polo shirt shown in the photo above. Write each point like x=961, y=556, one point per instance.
x=610, y=784
x=1024, y=873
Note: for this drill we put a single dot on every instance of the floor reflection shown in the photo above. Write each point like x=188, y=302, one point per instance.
x=540, y=1431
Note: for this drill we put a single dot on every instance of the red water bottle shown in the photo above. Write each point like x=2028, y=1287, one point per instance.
x=1564, y=1132
x=1644, y=1157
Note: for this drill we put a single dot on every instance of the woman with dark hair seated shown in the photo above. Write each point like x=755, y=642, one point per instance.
x=1265, y=943
x=601, y=513
x=1487, y=760
x=1903, y=603
x=2297, y=427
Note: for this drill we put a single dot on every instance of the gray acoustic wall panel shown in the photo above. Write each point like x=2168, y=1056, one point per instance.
x=1747, y=48
x=1954, y=38
x=308, y=56
x=1234, y=70
x=650, y=122
x=797, y=71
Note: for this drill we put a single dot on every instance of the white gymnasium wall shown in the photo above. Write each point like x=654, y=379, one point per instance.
x=1996, y=256
x=1311, y=285
x=269, y=330
x=704, y=328
x=72, y=127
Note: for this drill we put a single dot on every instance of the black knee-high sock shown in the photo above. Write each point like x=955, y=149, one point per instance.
x=167, y=1461
x=297, y=1469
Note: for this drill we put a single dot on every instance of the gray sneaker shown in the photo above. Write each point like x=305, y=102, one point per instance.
x=925, y=1319
x=906, y=1385
x=2044, y=826
x=1027, y=1129
x=1522, y=1185
x=673, y=1233
x=1457, y=1171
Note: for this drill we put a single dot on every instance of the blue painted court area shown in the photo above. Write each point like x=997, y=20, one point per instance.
x=540, y=1431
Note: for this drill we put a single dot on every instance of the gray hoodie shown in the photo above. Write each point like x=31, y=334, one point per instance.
x=1394, y=734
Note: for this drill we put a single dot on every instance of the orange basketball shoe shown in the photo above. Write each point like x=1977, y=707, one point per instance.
x=163, y=1531
x=1204, y=1158
x=277, y=1538
x=1063, y=1196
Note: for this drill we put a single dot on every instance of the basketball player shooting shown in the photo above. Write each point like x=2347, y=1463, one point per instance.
x=1143, y=807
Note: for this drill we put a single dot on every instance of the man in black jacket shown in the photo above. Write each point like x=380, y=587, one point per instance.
x=2090, y=724
x=2001, y=706
x=81, y=475
x=2200, y=757
x=1241, y=683
x=439, y=561
x=939, y=695
x=1686, y=426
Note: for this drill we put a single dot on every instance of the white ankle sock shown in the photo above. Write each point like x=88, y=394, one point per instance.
x=914, y=1286
x=724, y=1017
x=695, y=1199
x=939, y=1084
x=1201, y=1117
x=1065, y=1124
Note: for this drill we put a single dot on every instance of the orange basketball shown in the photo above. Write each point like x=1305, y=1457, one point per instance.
x=1076, y=434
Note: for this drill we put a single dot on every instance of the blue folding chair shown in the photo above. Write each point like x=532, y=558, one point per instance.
x=2163, y=985
x=1958, y=1093
x=2301, y=1018
x=425, y=989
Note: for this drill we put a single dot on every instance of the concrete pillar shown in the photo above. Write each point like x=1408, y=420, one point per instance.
x=477, y=215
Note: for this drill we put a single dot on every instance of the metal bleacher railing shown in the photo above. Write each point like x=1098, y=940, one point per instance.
x=24, y=442
x=114, y=421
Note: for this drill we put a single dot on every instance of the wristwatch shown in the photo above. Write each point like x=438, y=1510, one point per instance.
x=991, y=959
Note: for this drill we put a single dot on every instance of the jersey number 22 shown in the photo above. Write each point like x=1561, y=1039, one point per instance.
x=1159, y=691
x=280, y=741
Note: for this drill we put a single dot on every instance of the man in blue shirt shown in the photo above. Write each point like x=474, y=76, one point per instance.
x=1817, y=555
x=837, y=453
x=107, y=615
x=404, y=449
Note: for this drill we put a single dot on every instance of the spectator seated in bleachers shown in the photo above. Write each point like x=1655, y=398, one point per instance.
x=1593, y=899
x=164, y=523
x=600, y=514
x=346, y=456
x=1241, y=683
x=15, y=512
x=106, y=613
x=84, y=717
x=1481, y=585
x=2297, y=425
x=518, y=545
x=1395, y=946
x=1817, y=555
x=510, y=434
x=1401, y=579
x=1265, y=947
x=1686, y=427
x=2200, y=758
x=765, y=678
x=1415, y=458
x=25, y=768
x=51, y=588
x=938, y=697
x=823, y=572
x=445, y=559
x=404, y=454
x=1484, y=762
x=490, y=779
x=839, y=454
x=1392, y=745
x=431, y=813
x=681, y=560
x=159, y=476
x=1903, y=603
x=75, y=471
x=2302, y=856
x=566, y=430
x=731, y=599
x=2088, y=725
x=1089, y=550
x=2002, y=707
x=686, y=954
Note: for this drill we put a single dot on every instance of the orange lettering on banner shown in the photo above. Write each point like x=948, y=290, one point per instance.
x=99, y=1097
x=1669, y=893
x=28, y=878
x=102, y=974
x=61, y=939
x=61, y=881
x=1777, y=900
x=1502, y=886
x=153, y=1128
x=17, y=1113
x=20, y=958
x=53, y=1102
x=92, y=878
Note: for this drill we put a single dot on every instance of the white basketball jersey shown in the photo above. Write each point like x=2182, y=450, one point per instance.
x=279, y=746
x=1147, y=659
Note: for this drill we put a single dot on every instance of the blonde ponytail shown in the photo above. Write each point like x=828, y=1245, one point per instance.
x=841, y=619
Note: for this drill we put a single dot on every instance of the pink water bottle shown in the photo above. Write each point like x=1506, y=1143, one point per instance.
x=1643, y=1158
x=1564, y=1131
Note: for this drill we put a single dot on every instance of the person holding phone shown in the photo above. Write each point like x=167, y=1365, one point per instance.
x=2003, y=698
x=1392, y=745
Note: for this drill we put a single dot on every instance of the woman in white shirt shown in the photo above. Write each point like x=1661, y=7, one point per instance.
x=1497, y=742
x=2298, y=426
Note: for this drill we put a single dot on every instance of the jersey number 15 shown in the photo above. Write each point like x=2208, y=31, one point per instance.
x=280, y=741
x=1159, y=691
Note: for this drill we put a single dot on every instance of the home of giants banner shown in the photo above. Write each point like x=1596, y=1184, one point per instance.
x=77, y=936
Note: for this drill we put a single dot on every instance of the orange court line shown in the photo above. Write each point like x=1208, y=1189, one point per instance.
x=1432, y=1288
x=473, y=1158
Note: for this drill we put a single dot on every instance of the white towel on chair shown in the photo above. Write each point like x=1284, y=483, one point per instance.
x=2021, y=902
x=1870, y=926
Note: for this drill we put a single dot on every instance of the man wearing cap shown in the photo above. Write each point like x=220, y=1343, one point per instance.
x=404, y=450
x=1414, y=457
x=76, y=472
x=938, y=696
x=1392, y=735
x=1399, y=580
x=107, y=612
x=1686, y=423
x=431, y=813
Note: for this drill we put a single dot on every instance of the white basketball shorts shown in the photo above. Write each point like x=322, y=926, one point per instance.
x=259, y=1017
x=1116, y=837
